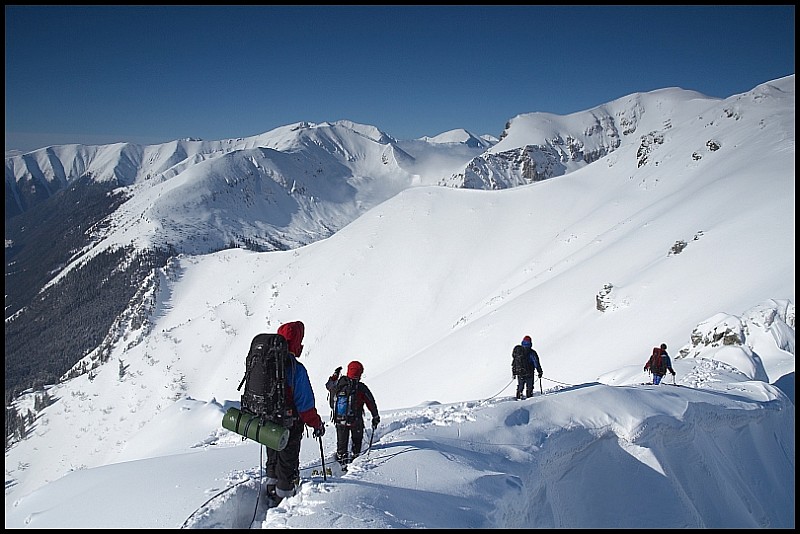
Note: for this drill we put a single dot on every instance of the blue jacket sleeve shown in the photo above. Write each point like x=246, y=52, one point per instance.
x=535, y=360
x=303, y=395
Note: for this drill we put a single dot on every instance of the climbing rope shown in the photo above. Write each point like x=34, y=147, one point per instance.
x=540, y=387
x=556, y=381
x=499, y=392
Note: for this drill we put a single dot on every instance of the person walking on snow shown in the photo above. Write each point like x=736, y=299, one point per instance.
x=283, y=467
x=352, y=426
x=524, y=362
x=659, y=363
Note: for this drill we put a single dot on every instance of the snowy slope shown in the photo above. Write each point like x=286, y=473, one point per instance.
x=433, y=287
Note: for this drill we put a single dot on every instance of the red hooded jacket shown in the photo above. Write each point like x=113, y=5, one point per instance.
x=300, y=385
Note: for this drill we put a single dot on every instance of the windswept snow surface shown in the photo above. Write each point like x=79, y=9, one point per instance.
x=582, y=456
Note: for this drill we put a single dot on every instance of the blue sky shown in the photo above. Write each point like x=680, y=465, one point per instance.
x=151, y=74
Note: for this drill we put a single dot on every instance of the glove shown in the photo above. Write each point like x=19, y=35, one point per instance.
x=376, y=420
x=335, y=376
x=673, y=372
x=540, y=374
x=645, y=369
x=513, y=376
x=319, y=431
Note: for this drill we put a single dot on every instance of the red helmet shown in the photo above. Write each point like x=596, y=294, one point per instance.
x=355, y=370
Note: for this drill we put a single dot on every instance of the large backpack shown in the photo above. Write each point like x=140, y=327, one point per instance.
x=657, y=364
x=344, y=402
x=265, y=391
x=522, y=365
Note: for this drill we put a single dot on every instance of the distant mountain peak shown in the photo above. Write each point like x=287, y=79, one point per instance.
x=461, y=136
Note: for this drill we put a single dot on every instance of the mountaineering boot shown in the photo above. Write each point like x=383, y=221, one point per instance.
x=343, y=460
x=269, y=486
x=272, y=496
x=282, y=494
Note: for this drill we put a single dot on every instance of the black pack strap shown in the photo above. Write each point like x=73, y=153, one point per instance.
x=247, y=426
x=246, y=372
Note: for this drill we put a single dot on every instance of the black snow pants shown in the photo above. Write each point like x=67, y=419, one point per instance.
x=285, y=465
x=343, y=435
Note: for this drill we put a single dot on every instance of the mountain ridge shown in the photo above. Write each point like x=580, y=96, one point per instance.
x=704, y=155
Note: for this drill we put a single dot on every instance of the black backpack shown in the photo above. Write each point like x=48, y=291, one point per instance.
x=521, y=365
x=265, y=393
x=344, y=402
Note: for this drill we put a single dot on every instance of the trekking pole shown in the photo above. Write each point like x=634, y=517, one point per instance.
x=371, y=436
x=260, y=481
x=540, y=385
x=322, y=456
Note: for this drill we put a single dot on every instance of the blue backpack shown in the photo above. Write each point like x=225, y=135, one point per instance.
x=344, y=403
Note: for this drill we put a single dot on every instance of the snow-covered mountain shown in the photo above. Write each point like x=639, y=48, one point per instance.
x=302, y=182
x=279, y=190
x=88, y=214
x=537, y=146
x=668, y=209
